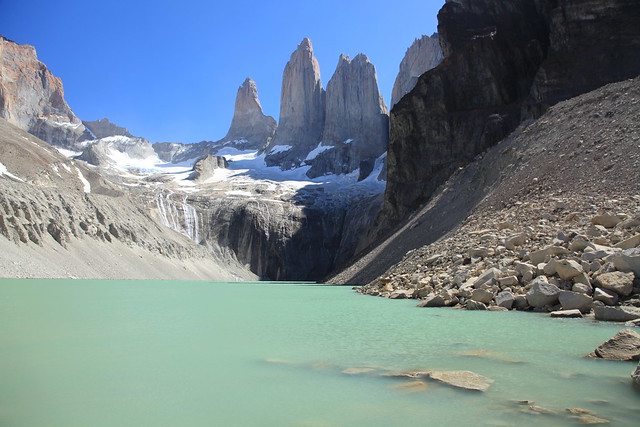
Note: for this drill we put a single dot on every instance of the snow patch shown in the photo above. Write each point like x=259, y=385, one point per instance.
x=319, y=149
x=85, y=183
x=68, y=153
x=4, y=171
x=280, y=149
x=348, y=141
x=238, y=193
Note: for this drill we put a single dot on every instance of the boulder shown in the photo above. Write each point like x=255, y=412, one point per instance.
x=582, y=288
x=433, y=301
x=606, y=220
x=474, y=305
x=626, y=263
x=515, y=240
x=616, y=314
x=482, y=295
x=568, y=269
x=636, y=375
x=542, y=293
x=575, y=301
x=508, y=281
x=566, y=314
x=617, y=281
x=488, y=276
x=579, y=244
x=536, y=257
x=462, y=379
x=625, y=345
x=505, y=299
x=629, y=243
x=606, y=296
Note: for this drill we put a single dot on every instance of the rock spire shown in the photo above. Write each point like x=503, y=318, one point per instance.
x=423, y=55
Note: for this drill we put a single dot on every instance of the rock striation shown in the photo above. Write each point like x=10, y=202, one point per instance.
x=424, y=54
x=356, y=127
x=505, y=61
x=250, y=128
x=32, y=98
x=302, y=110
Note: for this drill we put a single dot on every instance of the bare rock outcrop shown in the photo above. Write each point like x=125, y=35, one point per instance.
x=424, y=54
x=250, y=128
x=302, y=110
x=32, y=98
x=103, y=128
x=356, y=125
x=206, y=167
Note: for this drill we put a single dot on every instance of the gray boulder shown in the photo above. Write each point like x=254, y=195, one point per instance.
x=625, y=345
x=575, y=301
x=616, y=314
x=542, y=293
x=475, y=305
x=566, y=314
x=628, y=262
x=636, y=376
x=606, y=296
x=482, y=295
x=204, y=168
x=505, y=299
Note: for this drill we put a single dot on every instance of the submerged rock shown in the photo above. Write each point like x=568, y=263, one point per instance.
x=462, y=379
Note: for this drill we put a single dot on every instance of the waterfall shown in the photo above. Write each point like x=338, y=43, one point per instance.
x=181, y=217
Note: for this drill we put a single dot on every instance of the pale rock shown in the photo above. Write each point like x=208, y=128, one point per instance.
x=617, y=281
x=605, y=220
x=508, y=281
x=523, y=267
x=636, y=376
x=568, y=269
x=542, y=293
x=423, y=55
x=616, y=314
x=579, y=244
x=505, y=299
x=482, y=295
x=624, y=346
x=433, y=301
x=582, y=278
x=491, y=275
x=574, y=313
x=515, y=240
x=539, y=256
x=480, y=252
x=401, y=294
x=606, y=296
x=462, y=379
x=623, y=262
x=582, y=288
x=550, y=268
x=629, y=243
x=575, y=301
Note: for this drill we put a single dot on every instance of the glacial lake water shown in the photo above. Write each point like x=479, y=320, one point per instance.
x=160, y=353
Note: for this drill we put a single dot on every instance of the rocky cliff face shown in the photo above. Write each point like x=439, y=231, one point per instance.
x=356, y=125
x=103, y=128
x=249, y=122
x=424, y=54
x=502, y=57
x=33, y=99
x=302, y=110
x=205, y=168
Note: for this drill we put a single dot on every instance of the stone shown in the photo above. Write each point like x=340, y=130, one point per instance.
x=542, y=293
x=522, y=267
x=617, y=281
x=411, y=386
x=505, y=299
x=474, y=305
x=568, y=269
x=490, y=275
x=401, y=294
x=205, y=167
x=536, y=257
x=635, y=376
x=566, y=313
x=606, y=296
x=520, y=302
x=616, y=314
x=624, y=346
x=433, y=301
x=583, y=279
x=515, y=240
x=480, y=252
x=462, y=379
x=508, y=281
x=423, y=55
x=626, y=263
x=582, y=288
x=629, y=243
x=482, y=295
x=606, y=220
x=579, y=244
x=573, y=300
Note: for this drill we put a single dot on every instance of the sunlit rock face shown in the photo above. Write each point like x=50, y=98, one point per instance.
x=32, y=98
x=424, y=54
x=356, y=126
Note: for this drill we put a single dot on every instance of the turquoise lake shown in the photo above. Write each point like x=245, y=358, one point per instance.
x=170, y=353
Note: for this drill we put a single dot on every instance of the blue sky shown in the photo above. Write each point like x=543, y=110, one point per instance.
x=170, y=70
